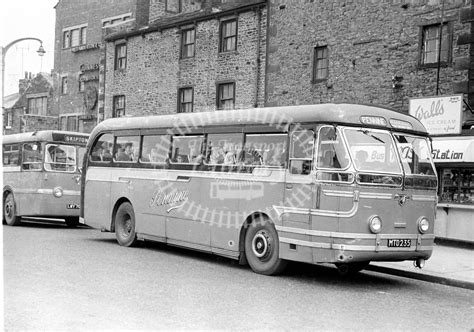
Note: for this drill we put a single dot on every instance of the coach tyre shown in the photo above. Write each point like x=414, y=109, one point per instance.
x=9, y=211
x=262, y=248
x=125, y=225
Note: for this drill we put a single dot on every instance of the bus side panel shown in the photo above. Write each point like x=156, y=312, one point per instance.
x=11, y=177
x=183, y=210
x=97, y=204
x=233, y=197
x=29, y=200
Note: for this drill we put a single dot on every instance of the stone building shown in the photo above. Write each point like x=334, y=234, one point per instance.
x=192, y=56
x=32, y=107
x=382, y=52
x=78, y=52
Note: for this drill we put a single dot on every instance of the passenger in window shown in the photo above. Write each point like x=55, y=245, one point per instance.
x=229, y=158
x=277, y=157
x=124, y=154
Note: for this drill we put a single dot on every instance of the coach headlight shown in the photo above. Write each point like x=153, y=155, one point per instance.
x=375, y=224
x=58, y=192
x=423, y=225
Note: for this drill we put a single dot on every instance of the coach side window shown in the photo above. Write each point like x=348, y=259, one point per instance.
x=32, y=156
x=188, y=149
x=155, y=149
x=332, y=152
x=301, y=151
x=223, y=149
x=126, y=149
x=11, y=155
x=102, y=149
x=265, y=150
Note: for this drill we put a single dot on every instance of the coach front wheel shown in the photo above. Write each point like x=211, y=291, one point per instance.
x=262, y=248
x=125, y=225
x=9, y=211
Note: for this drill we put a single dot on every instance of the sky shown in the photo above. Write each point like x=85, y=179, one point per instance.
x=21, y=19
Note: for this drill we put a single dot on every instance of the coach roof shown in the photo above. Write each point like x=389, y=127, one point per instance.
x=272, y=116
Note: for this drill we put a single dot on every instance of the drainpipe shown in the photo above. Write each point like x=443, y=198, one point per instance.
x=439, y=47
x=257, y=76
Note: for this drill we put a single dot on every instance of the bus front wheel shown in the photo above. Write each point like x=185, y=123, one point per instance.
x=125, y=225
x=9, y=211
x=262, y=248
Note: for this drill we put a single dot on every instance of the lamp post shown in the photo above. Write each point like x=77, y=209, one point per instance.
x=3, y=52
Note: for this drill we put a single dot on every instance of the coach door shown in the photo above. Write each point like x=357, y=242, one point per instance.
x=299, y=190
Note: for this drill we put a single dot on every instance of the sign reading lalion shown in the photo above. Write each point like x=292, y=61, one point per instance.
x=440, y=115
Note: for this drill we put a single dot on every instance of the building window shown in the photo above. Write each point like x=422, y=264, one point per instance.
x=116, y=20
x=228, y=33
x=74, y=36
x=225, y=96
x=9, y=120
x=38, y=106
x=71, y=124
x=321, y=63
x=82, y=84
x=119, y=106
x=187, y=43
x=64, y=85
x=173, y=6
x=430, y=44
x=120, y=56
x=186, y=99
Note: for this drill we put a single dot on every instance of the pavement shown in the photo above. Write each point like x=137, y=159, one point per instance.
x=451, y=264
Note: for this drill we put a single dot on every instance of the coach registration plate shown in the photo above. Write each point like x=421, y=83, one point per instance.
x=399, y=243
x=73, y=206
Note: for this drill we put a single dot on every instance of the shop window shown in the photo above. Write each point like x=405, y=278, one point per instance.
x=185, y=100
x=120, y=56
x=228, y=36
x=457, y=186
x=225, y=96
x=187, y=43
x=118, y=106
x=320, y=63
x=430, y=45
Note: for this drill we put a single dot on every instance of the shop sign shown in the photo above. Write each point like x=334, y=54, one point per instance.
x=453, y=150
x=440, y=115
x=86, y=47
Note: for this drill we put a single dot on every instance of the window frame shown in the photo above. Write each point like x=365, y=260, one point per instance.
x=120, y=61
x=449, y=42
x=184, y=46
x=64, y=85
x=223, y=38
x=218, y=95
x=325, y=63
x=43, y=110
x=115, y=100
x=67, y=40
x=181, y=103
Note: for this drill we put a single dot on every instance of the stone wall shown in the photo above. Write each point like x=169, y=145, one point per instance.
x=155, y=71
x=369, y=43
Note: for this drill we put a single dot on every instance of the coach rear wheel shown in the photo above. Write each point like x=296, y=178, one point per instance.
x=348, y=269
x=262, y=248
x=125, y=225
x=9, y=211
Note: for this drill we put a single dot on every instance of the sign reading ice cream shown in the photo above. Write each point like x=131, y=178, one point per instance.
x=440, y=115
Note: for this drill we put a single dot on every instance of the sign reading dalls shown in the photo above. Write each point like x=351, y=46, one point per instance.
x=440, y=115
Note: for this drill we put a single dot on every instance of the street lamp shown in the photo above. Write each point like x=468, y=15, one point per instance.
x=3, y=52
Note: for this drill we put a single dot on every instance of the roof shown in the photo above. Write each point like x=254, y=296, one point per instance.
x=10, y=100
x=42, y=135
x=277, y=117
x=205, y=14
